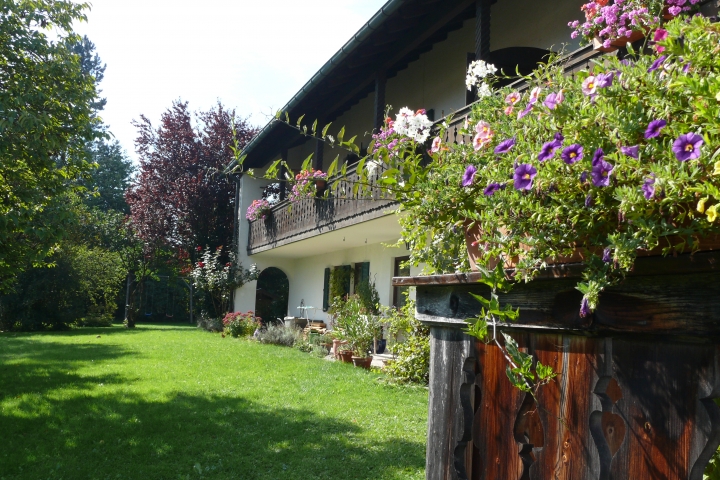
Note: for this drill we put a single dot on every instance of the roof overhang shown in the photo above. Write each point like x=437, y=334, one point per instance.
x=395, y=36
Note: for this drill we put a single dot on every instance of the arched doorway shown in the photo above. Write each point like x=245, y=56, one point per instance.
x=271, y=296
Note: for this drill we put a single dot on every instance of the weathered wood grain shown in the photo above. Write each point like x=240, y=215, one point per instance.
x=644, y=396
x=681, y=300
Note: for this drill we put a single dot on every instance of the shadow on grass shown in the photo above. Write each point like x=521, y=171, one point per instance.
x=192, y=437
x=85, y=432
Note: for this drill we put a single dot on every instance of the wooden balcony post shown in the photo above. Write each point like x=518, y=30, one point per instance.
x=379, y=110
x=482, y=30
x=283, y=171
x=319, y=150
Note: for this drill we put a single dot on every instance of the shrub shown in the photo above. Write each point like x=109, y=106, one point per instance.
x=210, y=324
x=102, y=320
x=238, y=324
x=412, y=364
x=279, y=335
x=354, y=326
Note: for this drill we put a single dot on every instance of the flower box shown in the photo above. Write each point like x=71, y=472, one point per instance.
x=618, y=42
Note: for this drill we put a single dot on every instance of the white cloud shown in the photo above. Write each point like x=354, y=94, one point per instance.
x=251, y=55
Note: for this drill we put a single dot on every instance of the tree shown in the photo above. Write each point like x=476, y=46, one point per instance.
x=180, y=199
x=108, y=182
x=46, y=120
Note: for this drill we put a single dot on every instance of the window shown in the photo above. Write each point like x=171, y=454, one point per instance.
x=400, y=270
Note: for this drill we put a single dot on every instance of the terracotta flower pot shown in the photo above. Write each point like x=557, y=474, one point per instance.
x=618, y=42
x=362, y=362
x=345, y=356
x=476, y=253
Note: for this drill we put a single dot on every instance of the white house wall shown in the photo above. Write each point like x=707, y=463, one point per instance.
x=306, y=276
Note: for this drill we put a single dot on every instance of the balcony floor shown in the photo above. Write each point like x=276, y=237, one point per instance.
x=383, y=229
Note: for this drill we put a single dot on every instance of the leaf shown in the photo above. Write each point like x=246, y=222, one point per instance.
x=287, y=118
x=325, y=129
x=314, y=127
x=333, y=166
x=277, y=114
x=307, y=162
x=299, y=120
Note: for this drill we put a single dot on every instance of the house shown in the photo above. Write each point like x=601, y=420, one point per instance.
x=411, y=53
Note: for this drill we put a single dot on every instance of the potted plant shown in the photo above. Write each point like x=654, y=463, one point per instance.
x=610, y=25
x=258, y=209
x=308, y=183
x=357, y=328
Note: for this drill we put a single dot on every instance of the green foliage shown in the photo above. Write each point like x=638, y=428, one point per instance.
x=279, y=335
x=354, y=325
x=410, y=343
x=339, y=280
x=412, y=359
x=239, y=324
x=47, y=118
x=369, y=297
x=107, y=182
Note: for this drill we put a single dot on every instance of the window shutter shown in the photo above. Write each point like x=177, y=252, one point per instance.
x=326, y=291
x=365, y=272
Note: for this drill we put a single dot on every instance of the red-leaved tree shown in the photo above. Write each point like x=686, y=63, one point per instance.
x=180, y=199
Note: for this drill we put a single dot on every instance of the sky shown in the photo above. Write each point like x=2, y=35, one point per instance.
x=250, y=55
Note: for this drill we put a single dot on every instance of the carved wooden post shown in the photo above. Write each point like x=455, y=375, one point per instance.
x=636, y=387
x=452, y=376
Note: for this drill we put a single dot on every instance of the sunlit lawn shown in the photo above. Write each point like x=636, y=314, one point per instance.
x=170, y=402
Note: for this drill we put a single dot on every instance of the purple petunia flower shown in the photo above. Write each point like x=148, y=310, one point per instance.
x=598, y=156
x=492, y=188
x=584, y=308
x=583, y=176
x=505, y=146
x=469, y=176
x=553, y=100
x=525, y=111
x=548, y=150
x=687, y=146
x=559, y=139
x=588, y=201
x=572, y=154
x=601, y=173
x=656, y=64
x=648, y=188
x=607, y=255
x=654, y=127
x=524, y=174
x=633, y=152
x=604, y=80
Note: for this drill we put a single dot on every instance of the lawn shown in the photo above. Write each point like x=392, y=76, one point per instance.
x=175, y=402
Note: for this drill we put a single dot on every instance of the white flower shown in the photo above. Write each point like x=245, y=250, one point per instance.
x=415, y=125
x=478, y=70
x=484, y=90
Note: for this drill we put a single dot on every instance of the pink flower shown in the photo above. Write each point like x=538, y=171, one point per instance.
x=512, y=98
x=674, y=10
x=435, y=145
x=479, y=141
x=483, y=129
x=589, y=85
x=509, y=110
x=534, y=95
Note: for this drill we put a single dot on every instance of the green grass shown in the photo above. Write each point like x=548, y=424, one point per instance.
x=174, y=402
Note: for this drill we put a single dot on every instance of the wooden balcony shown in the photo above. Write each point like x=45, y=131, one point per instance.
x=580, y=59
x=291, y=222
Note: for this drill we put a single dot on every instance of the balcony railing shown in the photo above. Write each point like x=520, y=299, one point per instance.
x=310, y=216
x=290, y=222
x=573, y=62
